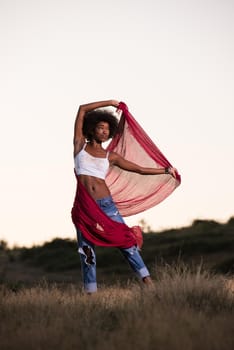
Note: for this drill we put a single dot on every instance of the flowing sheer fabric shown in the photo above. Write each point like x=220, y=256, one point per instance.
x=97, y=227
x=132, y=193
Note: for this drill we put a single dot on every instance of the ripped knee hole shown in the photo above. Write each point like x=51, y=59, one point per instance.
x=89, y=255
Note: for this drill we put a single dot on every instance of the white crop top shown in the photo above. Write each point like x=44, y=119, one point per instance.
x=86, y=164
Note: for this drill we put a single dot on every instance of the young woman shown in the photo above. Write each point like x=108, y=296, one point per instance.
x=93, y=126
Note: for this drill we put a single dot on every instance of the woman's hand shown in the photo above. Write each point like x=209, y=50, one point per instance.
x=172, y=171
x=115, y=103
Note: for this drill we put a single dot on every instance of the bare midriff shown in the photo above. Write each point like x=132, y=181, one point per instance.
x=95, y=186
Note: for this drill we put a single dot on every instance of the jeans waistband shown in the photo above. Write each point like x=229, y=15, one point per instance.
x=104, y=200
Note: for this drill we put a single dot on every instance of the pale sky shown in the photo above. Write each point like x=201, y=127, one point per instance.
x=171, y=62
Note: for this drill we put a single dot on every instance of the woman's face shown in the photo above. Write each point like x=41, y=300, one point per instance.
x=102, y=132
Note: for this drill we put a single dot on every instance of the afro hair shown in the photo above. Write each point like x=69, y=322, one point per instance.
x=94, y=117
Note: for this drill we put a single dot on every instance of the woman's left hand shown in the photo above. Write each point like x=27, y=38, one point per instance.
x=172, y=171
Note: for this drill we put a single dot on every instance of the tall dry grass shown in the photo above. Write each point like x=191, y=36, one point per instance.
x=184, y=310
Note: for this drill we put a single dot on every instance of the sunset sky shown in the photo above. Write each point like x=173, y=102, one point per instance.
x=171, y=62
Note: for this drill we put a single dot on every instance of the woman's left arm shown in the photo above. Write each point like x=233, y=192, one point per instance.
x=124, y=164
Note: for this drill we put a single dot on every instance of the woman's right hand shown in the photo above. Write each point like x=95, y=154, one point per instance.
x=115, y=103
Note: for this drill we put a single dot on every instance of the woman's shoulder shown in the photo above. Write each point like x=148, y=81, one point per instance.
x=78, y=147
x=113, y=156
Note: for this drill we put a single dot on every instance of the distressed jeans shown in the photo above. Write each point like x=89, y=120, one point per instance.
x=87, y=250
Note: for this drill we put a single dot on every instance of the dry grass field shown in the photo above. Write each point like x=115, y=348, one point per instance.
x=184, y=310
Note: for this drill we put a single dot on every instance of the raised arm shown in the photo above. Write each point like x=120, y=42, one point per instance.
x=79, y=139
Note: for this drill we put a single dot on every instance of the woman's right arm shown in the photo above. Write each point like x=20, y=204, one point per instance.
x=79, y=139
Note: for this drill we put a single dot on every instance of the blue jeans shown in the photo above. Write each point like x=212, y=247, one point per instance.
x=88, y=256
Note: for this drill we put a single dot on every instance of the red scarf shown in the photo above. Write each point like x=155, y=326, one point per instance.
x=132, y=193
x=97, y=227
